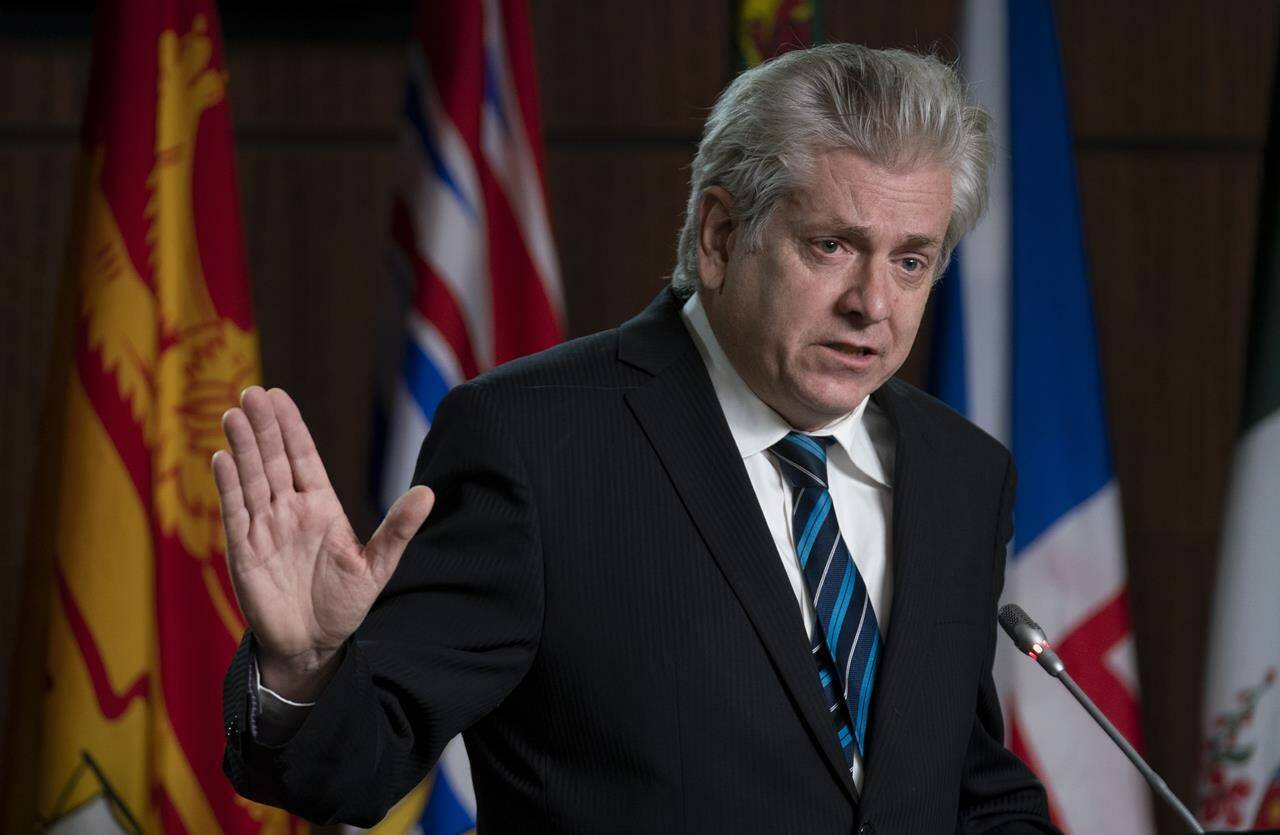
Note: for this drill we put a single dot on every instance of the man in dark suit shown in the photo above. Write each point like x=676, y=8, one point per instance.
x=711, y=571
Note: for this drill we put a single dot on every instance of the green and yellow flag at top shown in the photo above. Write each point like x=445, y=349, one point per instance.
x=764, y=29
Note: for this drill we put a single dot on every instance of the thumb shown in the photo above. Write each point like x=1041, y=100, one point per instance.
x=388, y=542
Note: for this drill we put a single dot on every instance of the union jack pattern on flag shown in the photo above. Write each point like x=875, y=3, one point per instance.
x=1016, y=352
x=473, y=244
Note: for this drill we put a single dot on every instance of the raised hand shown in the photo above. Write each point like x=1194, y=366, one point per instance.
x=303, y=579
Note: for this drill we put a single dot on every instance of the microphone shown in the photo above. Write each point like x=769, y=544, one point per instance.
x=1030, y=639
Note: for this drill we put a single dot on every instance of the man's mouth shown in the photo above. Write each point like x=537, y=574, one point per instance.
x=851, y=349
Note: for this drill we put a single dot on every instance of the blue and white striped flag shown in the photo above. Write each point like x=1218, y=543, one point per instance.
x=1016, y=352
x=473, y=247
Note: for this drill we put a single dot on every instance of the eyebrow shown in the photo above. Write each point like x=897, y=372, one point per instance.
x=919, y=242
x=862, y=234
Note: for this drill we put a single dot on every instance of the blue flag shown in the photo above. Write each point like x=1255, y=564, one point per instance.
x=1016, y=352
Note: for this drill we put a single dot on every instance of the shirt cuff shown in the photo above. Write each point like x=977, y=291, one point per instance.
x=274, y=719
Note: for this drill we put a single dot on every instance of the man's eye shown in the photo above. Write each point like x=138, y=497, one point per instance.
x=912, y=265
x=829, y=246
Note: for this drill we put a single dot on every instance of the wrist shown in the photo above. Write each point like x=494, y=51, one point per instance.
x=301, y=677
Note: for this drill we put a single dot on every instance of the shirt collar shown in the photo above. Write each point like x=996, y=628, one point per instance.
x=754, y=424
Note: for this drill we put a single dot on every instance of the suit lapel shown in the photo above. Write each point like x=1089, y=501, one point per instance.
x=682, y=419
x=905, y=666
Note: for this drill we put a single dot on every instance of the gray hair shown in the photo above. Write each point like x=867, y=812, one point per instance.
x=898, y=109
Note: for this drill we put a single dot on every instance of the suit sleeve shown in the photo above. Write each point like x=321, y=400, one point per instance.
x=452, y=634
x=998, y=793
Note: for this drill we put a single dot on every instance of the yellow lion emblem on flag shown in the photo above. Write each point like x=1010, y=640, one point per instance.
x=176, y=362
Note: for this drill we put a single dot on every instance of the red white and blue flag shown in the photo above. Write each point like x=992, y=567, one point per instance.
x=1016, y=352
x=472, y=242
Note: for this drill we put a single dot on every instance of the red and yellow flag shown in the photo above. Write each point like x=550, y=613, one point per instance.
x=141, y=617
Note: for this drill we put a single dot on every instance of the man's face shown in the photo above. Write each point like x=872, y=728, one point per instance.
x=828, y=307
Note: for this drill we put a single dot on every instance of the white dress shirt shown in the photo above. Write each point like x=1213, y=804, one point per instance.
x=858, y=468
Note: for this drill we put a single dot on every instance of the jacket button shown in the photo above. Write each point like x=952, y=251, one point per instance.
x=866, y=829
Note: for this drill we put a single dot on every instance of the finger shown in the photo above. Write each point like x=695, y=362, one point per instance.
x=235, y=517
x=400, y=525
x=304, y=460
x=244, y=448
x=266, y=431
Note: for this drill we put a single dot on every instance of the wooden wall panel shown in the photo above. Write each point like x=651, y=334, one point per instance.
x=305, y=93
x=616, y=210
x=627, y=70
x=42, y=89
x=31, y=267
x=1171, y=244
x=1190, y=70
x=320, y=286
x=39, y=115
x=920, y=25
x=1169, y=111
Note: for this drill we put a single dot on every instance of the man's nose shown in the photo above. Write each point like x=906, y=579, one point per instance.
x=869, y=291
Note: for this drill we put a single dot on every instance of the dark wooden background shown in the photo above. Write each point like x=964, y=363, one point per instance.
x=1168, y=104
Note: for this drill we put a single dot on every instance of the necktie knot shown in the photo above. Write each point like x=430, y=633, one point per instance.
x=803, y=459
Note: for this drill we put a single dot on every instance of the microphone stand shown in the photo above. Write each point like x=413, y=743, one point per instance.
x=1030, y=639
x=1157, y=783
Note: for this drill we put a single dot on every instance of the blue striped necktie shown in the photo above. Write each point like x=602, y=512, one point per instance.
x=847, y=646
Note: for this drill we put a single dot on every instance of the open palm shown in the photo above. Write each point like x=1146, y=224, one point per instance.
x=303, y=579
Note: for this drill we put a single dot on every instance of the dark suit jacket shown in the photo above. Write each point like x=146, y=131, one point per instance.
x=597, y=604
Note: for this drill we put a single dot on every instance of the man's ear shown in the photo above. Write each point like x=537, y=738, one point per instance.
x=716, y=228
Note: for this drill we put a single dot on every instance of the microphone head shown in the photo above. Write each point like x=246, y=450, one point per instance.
x=1025, y=632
